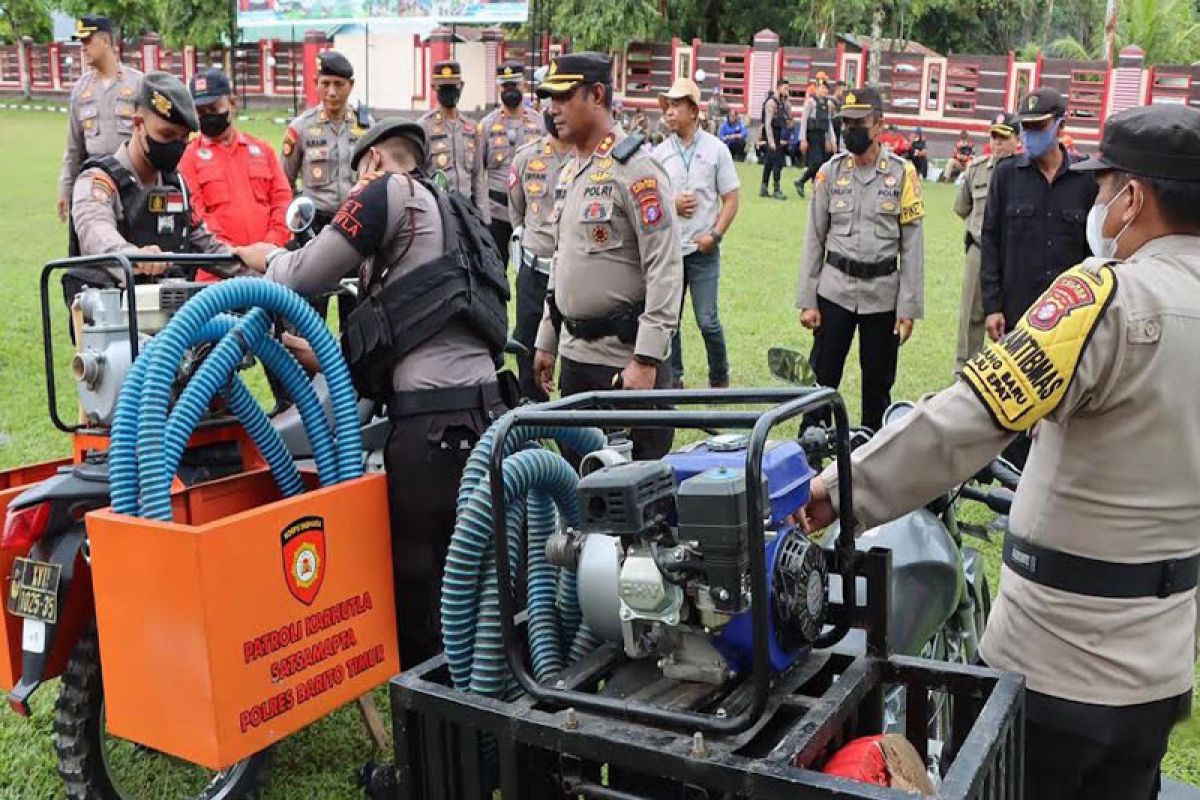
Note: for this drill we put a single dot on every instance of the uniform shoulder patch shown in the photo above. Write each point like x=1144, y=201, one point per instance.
x=647, y=194
x=290, y=137
x=912, y=206
x=1025, y=375
x=363, y=217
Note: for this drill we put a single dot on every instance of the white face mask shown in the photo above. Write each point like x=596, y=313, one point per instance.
x=1102, y=247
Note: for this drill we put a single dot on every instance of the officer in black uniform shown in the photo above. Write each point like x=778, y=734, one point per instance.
x=134, y=201
x=775, y=115
x=434, y=366
x=817, y=138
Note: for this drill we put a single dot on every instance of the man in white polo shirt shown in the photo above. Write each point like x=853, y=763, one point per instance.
x=705, y=187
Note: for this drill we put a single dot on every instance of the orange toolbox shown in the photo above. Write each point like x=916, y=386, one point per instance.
x=245, y=618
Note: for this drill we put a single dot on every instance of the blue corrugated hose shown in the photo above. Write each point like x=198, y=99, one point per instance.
x=146, y=445
x=536, y=483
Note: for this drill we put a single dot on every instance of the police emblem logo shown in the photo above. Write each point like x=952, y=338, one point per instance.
x=499, y=159
x=890, y=180
x=537, y=165
x=889, y=206
x=317, y=172
x=1066, y=295
x=302, y=543
x=600, y=176
x=841, y=204
x=497, y=128
x=851, y=99
x=161, y=104
x=604, y=163
x=201, y=84
x=999, y=120
x=443, y=159
x=533, y=187
x=842, y=181
x=447, y=71
x=599, y=234
x=156, y=203
x=595, y=212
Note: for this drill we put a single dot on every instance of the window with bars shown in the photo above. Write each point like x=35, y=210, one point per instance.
x=1171, y=86
x=1085, y=95
x=962, y=87
x=906, y=84
x=639, y=66
x=732, y=72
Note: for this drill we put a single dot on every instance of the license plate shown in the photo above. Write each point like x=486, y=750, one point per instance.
x=33, y=590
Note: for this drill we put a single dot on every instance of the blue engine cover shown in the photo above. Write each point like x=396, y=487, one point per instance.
x=786, y=469
x=736, y=640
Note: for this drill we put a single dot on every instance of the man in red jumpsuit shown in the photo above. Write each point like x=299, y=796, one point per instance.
x=236, y=182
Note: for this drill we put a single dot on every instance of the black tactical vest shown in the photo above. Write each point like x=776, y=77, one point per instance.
x=158, y=215
x=467, y=283
x=820, y=121
x=779, y=121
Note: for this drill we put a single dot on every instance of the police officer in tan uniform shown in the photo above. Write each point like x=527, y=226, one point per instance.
x=617, y=280
x=100, y=112
x=534, y=174
x=501, y=133
x=1097, y=602
x=453, y=140
x=969, y=205
x=318, y=144
x=863, y=264
x=134, y=201
x=445, y=392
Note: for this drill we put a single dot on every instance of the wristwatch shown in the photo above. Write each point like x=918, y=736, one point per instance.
x=716, y=237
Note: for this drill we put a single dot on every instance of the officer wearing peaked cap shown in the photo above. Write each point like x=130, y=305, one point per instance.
x=617, y=278
x=501, y=133
x=454, y=148
x=1097, y=601
x=317, y=144
x=396, y=233
x=863, y=263
x=970, y=205
x=100, y=111
x=134, y=201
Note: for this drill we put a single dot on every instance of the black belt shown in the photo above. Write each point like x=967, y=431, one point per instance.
x=1090, y=576
x=480, y=397
x=861, y=269
x=622, y=323
x=498, y=196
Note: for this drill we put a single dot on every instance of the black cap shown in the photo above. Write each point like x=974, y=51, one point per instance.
x=446, y=72
x=333, y=63
x=510, y=72
x=1006, y=124
x=209, y=86
x=1042, y=104
x=387, y=129
x=165, y=96
x=575, y=69
x=86, y=26
x=862, y=102
x=1152, y=141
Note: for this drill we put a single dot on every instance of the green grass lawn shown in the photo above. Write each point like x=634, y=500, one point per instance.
x=759, y=282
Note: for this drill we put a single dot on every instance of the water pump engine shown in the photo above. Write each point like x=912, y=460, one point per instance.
x=662, y=557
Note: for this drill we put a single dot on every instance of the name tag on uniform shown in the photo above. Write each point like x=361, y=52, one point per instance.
x=166, y=224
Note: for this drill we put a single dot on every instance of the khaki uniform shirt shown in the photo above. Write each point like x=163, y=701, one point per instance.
x=533, y=176
x=617, y=242
x=389, y=222
x=971, y=200
x=99, y=120
x=454, y=150
x=1103, y=369
x=500, y=136
x=316, y=151
x=868, y=214
x=96, y=211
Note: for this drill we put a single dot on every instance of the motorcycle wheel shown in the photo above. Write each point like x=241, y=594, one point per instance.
x=92, y=763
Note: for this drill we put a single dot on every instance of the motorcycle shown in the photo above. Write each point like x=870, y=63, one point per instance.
x=939, y=595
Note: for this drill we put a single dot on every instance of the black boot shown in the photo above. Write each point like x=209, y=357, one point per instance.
x=763, y=191
x=799, y=184
x=779, y=195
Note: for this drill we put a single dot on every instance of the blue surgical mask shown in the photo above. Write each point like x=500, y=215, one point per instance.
x=1038, y=143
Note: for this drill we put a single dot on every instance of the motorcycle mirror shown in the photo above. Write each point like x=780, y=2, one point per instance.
x=300, y=214
x=897, y=411
x=790, y=366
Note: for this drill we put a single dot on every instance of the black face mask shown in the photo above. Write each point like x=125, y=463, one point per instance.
x=448, y=96
x=164, y=156
x=510, y=97
x=213, y=125
x=551, y=128
x=858, y=140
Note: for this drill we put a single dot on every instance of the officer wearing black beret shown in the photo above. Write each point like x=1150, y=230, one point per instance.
x=1097, y=602
x=443, y=387
x=318, y=143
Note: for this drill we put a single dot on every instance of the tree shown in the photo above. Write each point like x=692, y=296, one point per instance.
x=1168, y=30
x=21, y=19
